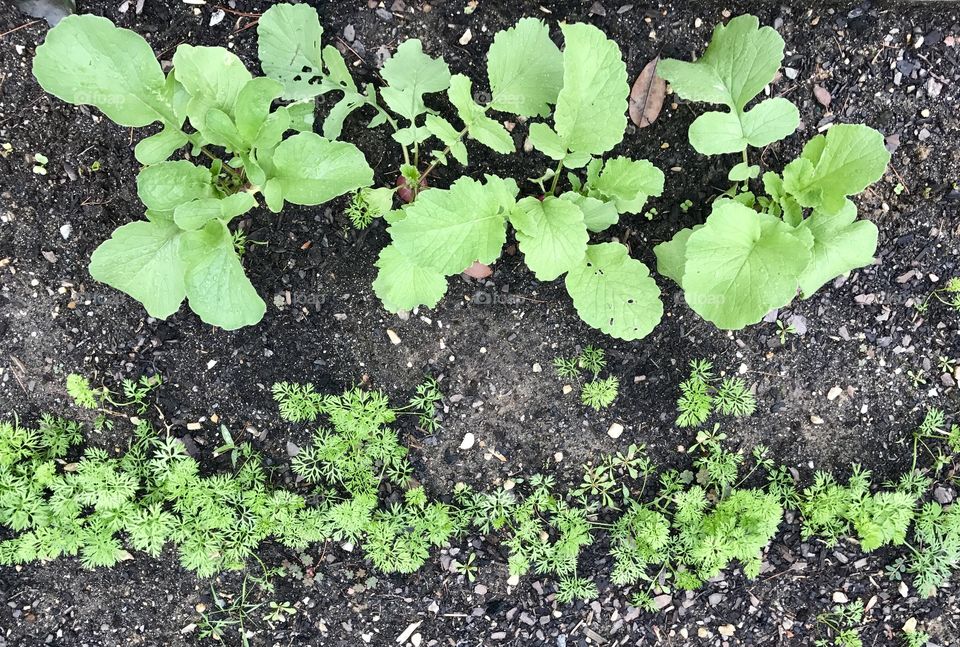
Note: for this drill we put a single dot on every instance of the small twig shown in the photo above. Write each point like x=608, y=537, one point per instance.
x=235, y=12
x=23, y=26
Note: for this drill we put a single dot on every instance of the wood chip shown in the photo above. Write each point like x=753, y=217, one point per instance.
x=822, y=95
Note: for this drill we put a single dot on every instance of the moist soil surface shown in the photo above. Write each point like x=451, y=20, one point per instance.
x=894, y=67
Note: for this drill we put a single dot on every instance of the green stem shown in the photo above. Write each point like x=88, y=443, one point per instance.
x=223, y=164
x=556, y=178
x=446, y=151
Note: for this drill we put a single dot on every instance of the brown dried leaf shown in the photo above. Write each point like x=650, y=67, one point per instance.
x=822, y=95
x=646, y=96
x=478, y=271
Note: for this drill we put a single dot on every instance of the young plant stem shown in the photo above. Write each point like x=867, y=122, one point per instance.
x=553, y=190
x=444, y=153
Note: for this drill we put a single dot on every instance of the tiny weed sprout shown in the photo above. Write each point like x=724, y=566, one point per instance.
x=754, y=252
x=210, y=105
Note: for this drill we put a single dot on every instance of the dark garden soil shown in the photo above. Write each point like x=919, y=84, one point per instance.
x=892, y=66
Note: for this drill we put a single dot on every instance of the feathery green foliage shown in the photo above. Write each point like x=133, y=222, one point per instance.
x=699, y=397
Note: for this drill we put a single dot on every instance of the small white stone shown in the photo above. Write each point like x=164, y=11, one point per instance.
x=537, y=368
x=815, y=419
x=513, y=580
x=615, y=430
x=834, y=393
x=467, y=37
x=66, y=230
x=468, y=440
x=839, y=597
x=558, y=457
x=394, y=337
x=567, y=389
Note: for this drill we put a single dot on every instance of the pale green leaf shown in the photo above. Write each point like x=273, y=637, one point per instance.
x=167, y=185
x=143, y=260
x=672, y=255
x=213, y=76
x=216, y=285
x=742, y=172
x=591, y=108
x=844, y=163
x=545, y=140
x=551, y=234
x=87, y=60
x=410, y=74
x=770, y=121
x=403, y=284
x=450, y=136
x=289, y=48
x=197, y=213
x=157, y=148
x=627, y=183
x=449, y=229
x=597, y=214
x=311, y=170
x=741, y=265
x=740, y=60
x=253, y=107
x=715, y=133
x=525, y=69
x=615, y=293
x=840, y=244
x=479, y=126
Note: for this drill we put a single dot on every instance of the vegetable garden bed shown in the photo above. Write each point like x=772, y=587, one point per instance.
x=512, y=467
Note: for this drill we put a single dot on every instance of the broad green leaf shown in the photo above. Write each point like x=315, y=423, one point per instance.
x=403, y=284
x=715, y=133
x=301, y=116
x=87, y=60
x=614, y=293
x=197, y=213
x=741, y=265
x=216, y=285
x=143, y=260
x=167, y=185
x=450, y=136
x=253, y=106
x=840, y=244
x=740, y=60
x=672, y=255
x=213, y=76
x=627, y=183
x=597, y=214
x=310, y=170
x=448, y=229
x=289, y=48
x=551, y=234
x=545, y=140
x=219, y=129
x=157, y=148
x=770, y=121
x=479, y=126
x=525, y=69
x=844, y=162
x=591, y=113
x=410, y=74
